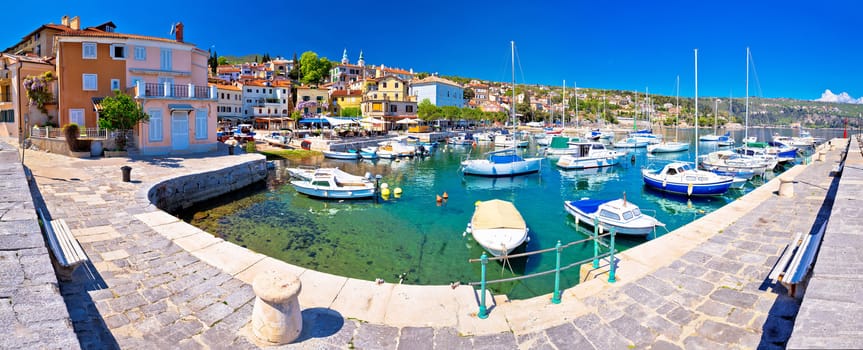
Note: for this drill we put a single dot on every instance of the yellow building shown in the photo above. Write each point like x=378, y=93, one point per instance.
x=387, y=98
x=321, y=97
x=343, y=99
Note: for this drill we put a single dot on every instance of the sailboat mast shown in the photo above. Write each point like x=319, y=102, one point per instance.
x=696, y=108
x=647, y=105
x=577, y=121
x=563, y=117
x=746, y=128
x=635, y=117
x=715, y=117
x=512, y=105
x=677, y=119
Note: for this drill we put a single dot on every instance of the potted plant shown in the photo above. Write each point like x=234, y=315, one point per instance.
x=71, y=132
x=121, y=114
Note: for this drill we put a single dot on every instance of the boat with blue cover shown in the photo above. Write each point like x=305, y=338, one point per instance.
x=625, y=217
x=682, y=178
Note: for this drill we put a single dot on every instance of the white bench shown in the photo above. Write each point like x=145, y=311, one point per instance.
x=64, y=247
x=794, y=264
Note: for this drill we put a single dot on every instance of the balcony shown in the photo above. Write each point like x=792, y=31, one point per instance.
x=173, y=91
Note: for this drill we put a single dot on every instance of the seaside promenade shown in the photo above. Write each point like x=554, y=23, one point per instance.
x=155, y=281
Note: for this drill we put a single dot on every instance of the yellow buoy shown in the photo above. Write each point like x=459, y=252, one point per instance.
x=477, y=203
x=397, y=191
x=445, y=196
x=385, y=191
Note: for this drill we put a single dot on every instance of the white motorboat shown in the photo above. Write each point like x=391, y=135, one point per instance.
x=498, y=227
x=561, y=145
x=505, y=162
x=509, y=140
x=589, y=155
x=682, y=178
x=392, y=149
x=726, y=162
x=349, y=155
x=630, y=142
x=625, y=217
x=668, y=147
x=332, y=183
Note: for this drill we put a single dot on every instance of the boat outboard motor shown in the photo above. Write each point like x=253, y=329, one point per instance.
x=421, y=150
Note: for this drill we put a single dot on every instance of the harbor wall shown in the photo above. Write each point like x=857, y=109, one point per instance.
x=184, y=191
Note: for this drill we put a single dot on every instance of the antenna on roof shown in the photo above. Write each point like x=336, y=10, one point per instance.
x=173, y=28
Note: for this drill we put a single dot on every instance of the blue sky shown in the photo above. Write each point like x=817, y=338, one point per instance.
x=799, y=48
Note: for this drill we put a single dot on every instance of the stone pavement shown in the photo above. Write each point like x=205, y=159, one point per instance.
x=831, y=316
x=702, y=286
x=32, y=312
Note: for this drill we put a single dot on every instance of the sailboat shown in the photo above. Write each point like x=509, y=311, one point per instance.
x=673, y=146
x=683, y=178
x=504, y=162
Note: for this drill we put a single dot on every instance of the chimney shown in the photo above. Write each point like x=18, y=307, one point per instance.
x=179, y=32
x=75, y=23
x=64, y=21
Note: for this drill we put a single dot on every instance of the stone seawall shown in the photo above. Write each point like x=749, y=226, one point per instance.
x=32, y=311
x=184, y=191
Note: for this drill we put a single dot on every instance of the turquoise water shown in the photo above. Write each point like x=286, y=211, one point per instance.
x=415, y=238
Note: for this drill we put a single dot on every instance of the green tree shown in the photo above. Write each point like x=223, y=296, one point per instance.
x=469, y=94
x=451, y=112
x=350, y=112
x=121, y=113
x=222, y=60
x=421, y=75
x=426, y=110
x=314, y=70
x=294, y=73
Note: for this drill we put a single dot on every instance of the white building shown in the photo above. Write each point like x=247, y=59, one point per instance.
x=230, y=103
x=440, y=92
x=266, y=99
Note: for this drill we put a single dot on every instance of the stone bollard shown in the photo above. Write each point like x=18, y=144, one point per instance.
x=820, y=157
x=786, y=186
x=276, y=317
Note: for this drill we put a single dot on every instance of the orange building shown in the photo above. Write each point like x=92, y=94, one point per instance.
x=167, y=77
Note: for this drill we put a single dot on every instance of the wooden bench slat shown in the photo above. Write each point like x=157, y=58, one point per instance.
x=67, y=251
x=76, y=252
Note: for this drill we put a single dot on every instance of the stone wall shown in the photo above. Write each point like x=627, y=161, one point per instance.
x=183, y=192
x=32, y=311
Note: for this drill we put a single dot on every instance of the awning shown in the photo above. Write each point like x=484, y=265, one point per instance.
x=407, y=121
x=340, y=121
x=180, y=107
x=313, y=121
x=370, y=120
x=97, y=103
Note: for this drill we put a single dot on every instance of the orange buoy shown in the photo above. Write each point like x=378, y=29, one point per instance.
x=438, y=199
x=445, y=196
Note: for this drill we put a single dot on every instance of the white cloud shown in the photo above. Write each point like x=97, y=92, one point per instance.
x=844, y=97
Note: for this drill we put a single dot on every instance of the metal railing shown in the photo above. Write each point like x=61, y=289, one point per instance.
x=484, y=259
x=174, y=90
x=51, y=133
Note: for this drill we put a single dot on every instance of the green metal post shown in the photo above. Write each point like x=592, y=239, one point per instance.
x=483, y=312
x=595, y=243
x=611, y=265
x=556, y=298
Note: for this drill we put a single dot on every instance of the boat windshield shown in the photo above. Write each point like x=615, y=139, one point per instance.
x=627, y=215
x=607, y=214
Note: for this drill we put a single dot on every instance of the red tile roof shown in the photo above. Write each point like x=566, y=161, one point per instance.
x=346, y=93
x=100, y=34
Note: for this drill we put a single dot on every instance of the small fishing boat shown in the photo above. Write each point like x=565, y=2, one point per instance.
x=394, y=148
x=369, y=152
x=646, y=135
x=729, y=163
x=505, y=162
x=630, y=142
x=589, y=155
x=668, y=147
x=498, y=227
x=682, y=178
x=349, y=155
x=597, y=135
x=278, y=138
x=725, y=140
x=462, y=139
x=333, y=183
x=509, y=140
x=625, y=217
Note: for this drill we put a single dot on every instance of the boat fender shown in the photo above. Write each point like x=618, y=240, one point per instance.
x=527, y=239
x=397, y=191
x=438, y=198
x=689, y=189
